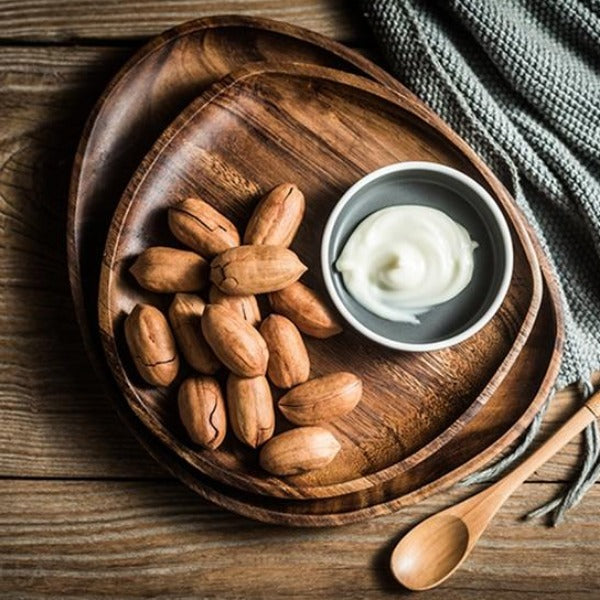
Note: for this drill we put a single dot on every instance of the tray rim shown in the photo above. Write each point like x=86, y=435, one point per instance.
x=280, y=488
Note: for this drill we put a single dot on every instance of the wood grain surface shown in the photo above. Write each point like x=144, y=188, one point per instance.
x=128, y=539
x=129, y=530
x=114, y=20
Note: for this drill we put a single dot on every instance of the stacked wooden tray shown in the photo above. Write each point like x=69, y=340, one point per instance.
x=426, y=420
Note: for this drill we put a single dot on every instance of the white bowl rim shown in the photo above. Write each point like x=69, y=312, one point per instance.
x=483, y=195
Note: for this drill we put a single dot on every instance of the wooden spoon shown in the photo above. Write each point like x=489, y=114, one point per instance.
x=430, y=552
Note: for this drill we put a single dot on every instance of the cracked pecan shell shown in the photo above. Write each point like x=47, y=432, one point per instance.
x=237, y=344
x=289, y=364
x=202, y=411
x=276, y=218
x=185, y=316
x=247, y=270
x=152, y=345
x=201, y=227
x=250, y=409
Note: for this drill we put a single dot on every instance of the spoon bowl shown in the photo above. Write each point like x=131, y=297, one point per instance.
x=430, y=552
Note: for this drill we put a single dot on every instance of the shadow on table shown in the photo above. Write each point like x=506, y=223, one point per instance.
x=71, y=428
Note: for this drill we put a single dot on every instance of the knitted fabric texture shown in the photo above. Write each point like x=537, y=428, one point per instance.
x=520, y=81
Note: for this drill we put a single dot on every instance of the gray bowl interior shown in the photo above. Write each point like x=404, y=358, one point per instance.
x=461, y=203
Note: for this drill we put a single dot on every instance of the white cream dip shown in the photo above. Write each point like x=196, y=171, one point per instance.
x=402, y=260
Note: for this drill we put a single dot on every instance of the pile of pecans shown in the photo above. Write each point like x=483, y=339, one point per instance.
x=228, y=332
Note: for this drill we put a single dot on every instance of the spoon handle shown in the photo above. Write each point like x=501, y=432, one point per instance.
x=589, y=412
x=435, y=548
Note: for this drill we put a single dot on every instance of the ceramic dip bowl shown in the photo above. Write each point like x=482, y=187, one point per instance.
x=463, y=200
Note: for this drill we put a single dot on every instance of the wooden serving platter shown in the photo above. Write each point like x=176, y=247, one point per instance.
x=323, y=129
x=151, y=89
x=499, y=422
x=505, y=416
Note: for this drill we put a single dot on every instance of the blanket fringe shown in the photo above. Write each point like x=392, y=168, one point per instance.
x=588, y=474
x=503, y=465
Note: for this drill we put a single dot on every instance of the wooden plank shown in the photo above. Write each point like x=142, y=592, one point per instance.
x=65, y=20
x=73, y=539
x=56, y=419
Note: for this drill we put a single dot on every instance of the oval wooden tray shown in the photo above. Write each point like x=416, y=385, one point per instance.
x=511, y=400
x=151, y=89
x=325, y=130
x=505, y=416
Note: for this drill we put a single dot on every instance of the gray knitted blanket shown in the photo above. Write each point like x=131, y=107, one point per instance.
x=520, y=81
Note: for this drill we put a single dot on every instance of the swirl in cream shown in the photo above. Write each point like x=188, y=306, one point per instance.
x=402, y=260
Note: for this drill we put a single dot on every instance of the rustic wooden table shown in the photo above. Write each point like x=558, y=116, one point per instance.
x=83, y=510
